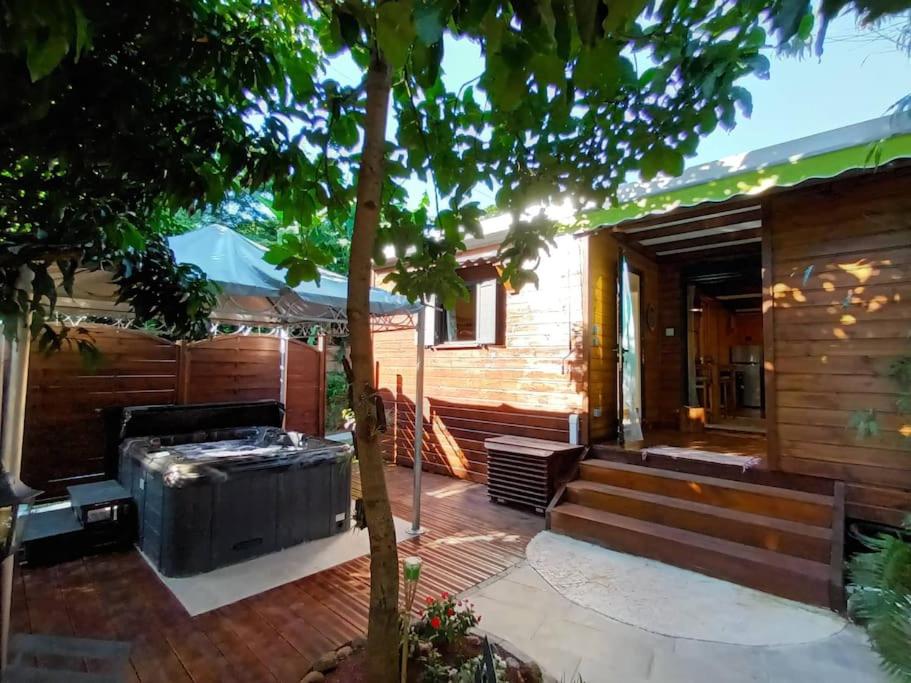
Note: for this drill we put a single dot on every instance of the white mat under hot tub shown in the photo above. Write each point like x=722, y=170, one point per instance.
x=205, y=592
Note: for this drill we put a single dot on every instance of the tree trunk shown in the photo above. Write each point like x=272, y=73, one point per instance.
x=383, y=628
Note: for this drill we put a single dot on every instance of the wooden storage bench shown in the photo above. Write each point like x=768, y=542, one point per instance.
x=525, y=471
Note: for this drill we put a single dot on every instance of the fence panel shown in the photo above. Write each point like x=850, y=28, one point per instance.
x=64, y=441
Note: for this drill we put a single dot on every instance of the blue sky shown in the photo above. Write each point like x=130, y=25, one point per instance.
x=858, y=78
x=855, y=80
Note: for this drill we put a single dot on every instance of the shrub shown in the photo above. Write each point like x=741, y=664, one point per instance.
x=336, y=401
x=445, y=620
x=881, y=598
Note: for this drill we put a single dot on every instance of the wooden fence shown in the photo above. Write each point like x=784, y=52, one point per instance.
x=64, y=439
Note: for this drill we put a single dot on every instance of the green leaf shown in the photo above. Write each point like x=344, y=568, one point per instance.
x=428, y=23
x=744, y=99
x=621, y=12
x=301, y=271
x=599, y=67
x=277, y=254
x=708, y=120
x=83, y=32
x=42, y=58
x=505, y=85
x=395, y=31
x=661, y=159
x=589, y=17
x=760, y=66
x=349, y=27
x=805, y=30
x=548, y=68
x=756, y=38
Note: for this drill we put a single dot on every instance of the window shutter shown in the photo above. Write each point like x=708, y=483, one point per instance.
x=430, y=321
x=486, y=298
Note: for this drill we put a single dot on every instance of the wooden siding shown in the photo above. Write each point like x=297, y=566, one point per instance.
x=841, y=290
x=527, y=386
x=233, y=368
x=671, y=366
x=305, y=395
x=64, y=440
x=603, y=260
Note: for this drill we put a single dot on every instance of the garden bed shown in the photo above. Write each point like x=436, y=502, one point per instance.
x=443, y=648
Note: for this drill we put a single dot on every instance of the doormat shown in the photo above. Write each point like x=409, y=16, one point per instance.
x=226, y=585
x=733, y=459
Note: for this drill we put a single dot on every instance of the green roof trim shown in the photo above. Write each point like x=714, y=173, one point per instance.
x=754, y=182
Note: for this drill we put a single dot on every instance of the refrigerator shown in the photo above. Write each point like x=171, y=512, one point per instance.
x=747, y=362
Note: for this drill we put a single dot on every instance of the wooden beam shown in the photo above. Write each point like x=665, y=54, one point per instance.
x=691, y=214
x=768, y=338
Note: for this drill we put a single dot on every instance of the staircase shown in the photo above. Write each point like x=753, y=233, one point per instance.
x=775, y=539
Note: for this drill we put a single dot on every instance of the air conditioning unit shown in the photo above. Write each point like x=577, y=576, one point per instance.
x=525, y=471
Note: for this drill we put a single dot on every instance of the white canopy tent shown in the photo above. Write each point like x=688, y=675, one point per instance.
x=252, y=293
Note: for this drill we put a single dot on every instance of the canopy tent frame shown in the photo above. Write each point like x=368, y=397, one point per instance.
x=291, y=316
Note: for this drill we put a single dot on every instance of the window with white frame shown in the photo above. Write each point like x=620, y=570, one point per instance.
x=471, y=321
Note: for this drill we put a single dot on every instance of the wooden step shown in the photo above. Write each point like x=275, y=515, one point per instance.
x=751, y=475
x=797, y=506
x=771, y=572
x=760, y=531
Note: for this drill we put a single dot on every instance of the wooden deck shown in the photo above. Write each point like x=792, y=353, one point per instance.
x=716, y=441
x=276, y=635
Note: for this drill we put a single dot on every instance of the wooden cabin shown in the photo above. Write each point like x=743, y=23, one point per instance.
x=771, y=301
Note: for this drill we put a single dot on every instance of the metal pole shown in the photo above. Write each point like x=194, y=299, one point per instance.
x=283, y=381
x=6, y=571
x=14, y=409
x=13, y=428
x=418, y=424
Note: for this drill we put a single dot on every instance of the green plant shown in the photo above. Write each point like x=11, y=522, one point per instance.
x=445, y=620
x=487, y=667
x=900, y=372
x=864, y=423
x=336, y=401
x=881, y=598
x=113, y=115
x=436, y=669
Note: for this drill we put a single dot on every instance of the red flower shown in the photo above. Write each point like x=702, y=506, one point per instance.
x=428, y=600
x=435, y=623
x=450, y=612
x=444, y=595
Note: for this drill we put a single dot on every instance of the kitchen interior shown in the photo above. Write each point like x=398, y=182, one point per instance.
x=725, y=374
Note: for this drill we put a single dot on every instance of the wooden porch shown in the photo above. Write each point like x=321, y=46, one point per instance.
x=274, y=636
x=714, y=441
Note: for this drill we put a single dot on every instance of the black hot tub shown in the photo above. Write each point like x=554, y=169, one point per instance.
x=227, y=493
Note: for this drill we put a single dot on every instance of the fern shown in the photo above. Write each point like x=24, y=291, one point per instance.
x=900, y=371
x=881, y=598
x=864, y=423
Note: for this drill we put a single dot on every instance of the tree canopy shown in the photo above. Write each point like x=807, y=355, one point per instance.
x=115, y=113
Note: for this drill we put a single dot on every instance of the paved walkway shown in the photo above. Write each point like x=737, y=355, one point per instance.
x=572, y=642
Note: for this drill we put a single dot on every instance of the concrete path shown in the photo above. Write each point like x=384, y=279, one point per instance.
x=572, y=642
